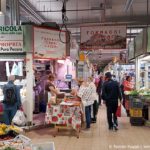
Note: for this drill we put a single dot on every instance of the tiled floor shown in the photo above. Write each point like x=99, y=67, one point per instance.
x=98, y=138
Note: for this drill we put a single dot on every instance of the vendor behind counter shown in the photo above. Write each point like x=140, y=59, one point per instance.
x=50, y=89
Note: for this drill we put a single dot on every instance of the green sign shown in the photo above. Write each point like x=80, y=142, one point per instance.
x=10, y=30
x=11, y=39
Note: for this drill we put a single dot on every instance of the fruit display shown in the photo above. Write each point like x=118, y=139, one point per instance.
x=19, y=143
x=8, y=132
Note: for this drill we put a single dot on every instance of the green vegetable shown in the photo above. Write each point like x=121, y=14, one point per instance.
x=134, y=93
x=9, y=148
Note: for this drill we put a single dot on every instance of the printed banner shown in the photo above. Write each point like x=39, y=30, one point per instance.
x=11, y=39
x=131, y=50
x=103, y=37
x=141, y=43
x=48, y=45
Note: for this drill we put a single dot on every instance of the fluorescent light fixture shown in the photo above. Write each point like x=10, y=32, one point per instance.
x=128, y=5
x=61, y=61
x=146, y=58
x=5, y=59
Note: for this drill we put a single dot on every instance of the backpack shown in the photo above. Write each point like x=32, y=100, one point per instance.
x=10, y=94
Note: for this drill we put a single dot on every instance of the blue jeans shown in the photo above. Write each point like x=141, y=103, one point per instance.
x=88, y=116
x=9, y=115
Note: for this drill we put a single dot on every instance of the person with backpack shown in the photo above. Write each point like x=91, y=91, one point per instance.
x=12, y=100
x=110, y=94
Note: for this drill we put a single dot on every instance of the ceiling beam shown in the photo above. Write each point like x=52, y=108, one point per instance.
x=130, y=21
x=27, y=6
x=128, y=5
x=71, y=10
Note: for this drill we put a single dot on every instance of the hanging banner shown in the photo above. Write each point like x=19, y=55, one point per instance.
x=141, y=43
x=103, y=37
x=11, y=39
x=148, y=40
x=48, y=45
x=131, y=50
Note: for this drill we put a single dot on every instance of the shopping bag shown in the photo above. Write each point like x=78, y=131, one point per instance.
x=19, y=118
x=118, y=112
x=1, y=108
x=123, y=111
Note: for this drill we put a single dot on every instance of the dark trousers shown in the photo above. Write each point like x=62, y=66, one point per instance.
x=9, y=115
x=111, y=113
x=95, y=110
x=88, y=116
x=99, y=97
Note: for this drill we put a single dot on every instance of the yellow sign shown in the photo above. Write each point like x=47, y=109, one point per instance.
x=81, y=57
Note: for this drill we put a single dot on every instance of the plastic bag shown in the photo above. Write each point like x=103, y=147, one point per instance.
x=19, y=118
x=121, y=112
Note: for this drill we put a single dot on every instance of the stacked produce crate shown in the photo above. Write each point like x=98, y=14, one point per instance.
x=136, y=107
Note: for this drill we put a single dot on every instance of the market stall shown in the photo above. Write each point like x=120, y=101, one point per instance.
x=65, y=114
x=139, y=53
x=13, y=61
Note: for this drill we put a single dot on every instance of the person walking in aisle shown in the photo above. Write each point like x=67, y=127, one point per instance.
x=94, y=107
x=12, y=100
x=110, y=94
x=85, y=93
x=99, y=88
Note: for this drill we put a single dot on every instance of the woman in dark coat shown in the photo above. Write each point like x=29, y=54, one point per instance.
x=99, y=88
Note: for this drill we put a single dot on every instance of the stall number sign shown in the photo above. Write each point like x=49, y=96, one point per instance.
x=68, y=77
x=11, y=39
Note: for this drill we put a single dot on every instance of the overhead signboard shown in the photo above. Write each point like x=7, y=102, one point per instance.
x=103, y=37
x=47, y=43
x=11, y=39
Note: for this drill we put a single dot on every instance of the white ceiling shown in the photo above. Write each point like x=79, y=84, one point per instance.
x=81, y=12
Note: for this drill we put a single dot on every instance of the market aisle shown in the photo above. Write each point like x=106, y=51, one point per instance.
x=99, y=138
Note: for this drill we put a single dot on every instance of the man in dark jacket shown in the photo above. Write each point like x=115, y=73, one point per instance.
x=110, y=94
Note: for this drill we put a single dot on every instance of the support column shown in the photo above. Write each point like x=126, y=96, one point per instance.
x=137, y=69
x=14, y=12
x=2, y=11
x=29, y=78
x=146, y=76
